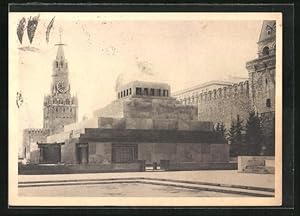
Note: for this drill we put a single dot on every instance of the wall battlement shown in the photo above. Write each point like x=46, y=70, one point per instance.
x=36, y=131
x=241, y=88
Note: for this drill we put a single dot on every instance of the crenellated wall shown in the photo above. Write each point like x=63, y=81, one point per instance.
x=224, y=104
x=30, y=138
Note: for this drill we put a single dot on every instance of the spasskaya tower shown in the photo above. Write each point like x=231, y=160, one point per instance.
x=60, y=107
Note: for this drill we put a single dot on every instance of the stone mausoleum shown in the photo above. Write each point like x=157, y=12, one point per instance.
x=143, y=125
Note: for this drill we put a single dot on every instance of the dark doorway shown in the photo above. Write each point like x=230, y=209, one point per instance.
x=50, y=154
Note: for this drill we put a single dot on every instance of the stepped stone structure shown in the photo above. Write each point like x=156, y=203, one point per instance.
x=143, y=124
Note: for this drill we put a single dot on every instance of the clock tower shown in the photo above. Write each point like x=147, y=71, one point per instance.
x=60, y=107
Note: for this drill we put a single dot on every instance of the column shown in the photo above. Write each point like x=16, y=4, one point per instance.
x=41, y=154
x=84, y=155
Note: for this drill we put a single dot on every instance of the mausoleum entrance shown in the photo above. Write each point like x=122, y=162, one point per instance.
x=49, y=153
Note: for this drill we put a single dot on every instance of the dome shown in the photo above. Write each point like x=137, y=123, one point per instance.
x=141, y=71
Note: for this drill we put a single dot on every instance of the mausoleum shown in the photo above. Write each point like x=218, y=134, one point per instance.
x=143, y=125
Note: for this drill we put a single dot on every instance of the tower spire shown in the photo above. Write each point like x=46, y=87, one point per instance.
x=60, y=51
x=60, y=43
x=60, y=31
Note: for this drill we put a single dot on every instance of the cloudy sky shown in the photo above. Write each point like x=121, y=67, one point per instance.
x=182, y=52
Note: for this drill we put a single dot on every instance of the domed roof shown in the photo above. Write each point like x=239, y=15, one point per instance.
x=142, y=72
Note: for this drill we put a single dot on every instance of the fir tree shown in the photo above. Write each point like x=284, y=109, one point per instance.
x=231, y=133
x=222, y=129
x=254, y=135
x=238, y=131
x=270, y=140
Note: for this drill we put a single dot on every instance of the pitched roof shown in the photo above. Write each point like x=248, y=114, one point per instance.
x=60, y=53
x=268, y=30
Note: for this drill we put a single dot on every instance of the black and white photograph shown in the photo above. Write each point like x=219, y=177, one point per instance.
x=145, y=109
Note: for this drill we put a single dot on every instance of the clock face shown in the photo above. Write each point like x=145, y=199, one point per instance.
x=62, y=87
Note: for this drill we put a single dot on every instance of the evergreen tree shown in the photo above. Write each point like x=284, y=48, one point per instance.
x=254, y=136
x=222, y=129
x=231, y=133
x=270, y=140
x=235, y=137
x=217, y=127
x=238, y=131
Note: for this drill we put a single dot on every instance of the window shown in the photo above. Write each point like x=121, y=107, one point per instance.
x=127, y=92
x=145, y=91
x=165, y=93
x=158, y=92
x=57, y=64
x=268, y=103
x=266, y=81
x=138, y=91
x=118, y=94
x=266, y=51
x=130, y=91
x=70, y=109
x=61, y=64
x=152, y=92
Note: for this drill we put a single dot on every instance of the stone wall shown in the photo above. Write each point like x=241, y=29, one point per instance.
x=256, y=164
x=154, y=108
x=183, y=152
x=114, y=109
x=224, y=104
x=68, y=151
x=30, y=138
x=202, y=166
x=36, y=169
x=167, y=108
x=34, y=156
x=87, y=123
x=100, y=153
x=148, y=123
x=59, y=137
x=262, y=83
x=150, y=136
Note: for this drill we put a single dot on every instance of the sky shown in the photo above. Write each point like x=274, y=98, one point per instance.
x=181, y=52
